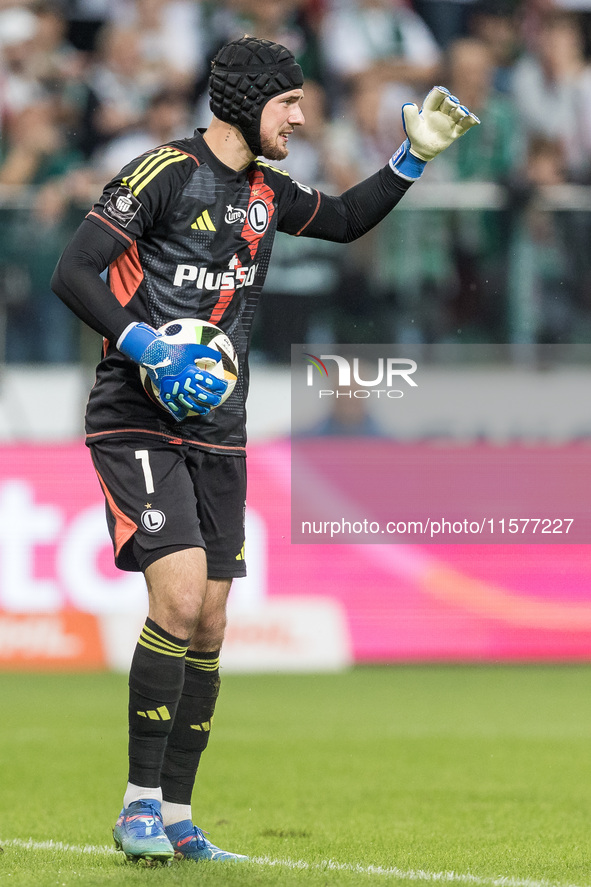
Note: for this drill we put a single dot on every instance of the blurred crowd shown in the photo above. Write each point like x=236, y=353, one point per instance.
x=85, y=85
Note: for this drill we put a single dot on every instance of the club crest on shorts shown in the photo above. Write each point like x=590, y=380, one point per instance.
x=153, y=520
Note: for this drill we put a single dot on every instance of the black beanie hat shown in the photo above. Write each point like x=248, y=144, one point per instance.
x=245, y=74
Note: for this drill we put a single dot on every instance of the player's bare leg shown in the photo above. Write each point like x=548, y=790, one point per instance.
x=177, y=589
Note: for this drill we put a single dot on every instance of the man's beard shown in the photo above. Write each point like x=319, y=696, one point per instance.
x=272, y=150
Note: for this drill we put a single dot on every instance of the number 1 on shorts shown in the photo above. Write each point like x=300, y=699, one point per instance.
x=144, y=457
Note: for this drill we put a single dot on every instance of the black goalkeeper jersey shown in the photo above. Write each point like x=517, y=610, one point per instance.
x=198, y=239
x=191, y=237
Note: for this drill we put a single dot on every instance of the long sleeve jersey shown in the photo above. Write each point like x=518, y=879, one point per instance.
x=183, y=235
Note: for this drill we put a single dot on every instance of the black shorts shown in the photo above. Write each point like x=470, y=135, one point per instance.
x=163, y=497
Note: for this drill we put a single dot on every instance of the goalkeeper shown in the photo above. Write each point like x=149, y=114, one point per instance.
x=186, y=230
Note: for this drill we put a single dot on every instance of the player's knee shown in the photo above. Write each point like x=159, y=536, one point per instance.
x=177, y=614
x=177, y=622
x=210, y=630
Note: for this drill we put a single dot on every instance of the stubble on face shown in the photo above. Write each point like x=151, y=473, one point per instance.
x=271, y=150
x=279, y=119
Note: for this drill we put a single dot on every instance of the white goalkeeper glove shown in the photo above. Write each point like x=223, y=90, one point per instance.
x=441, y=121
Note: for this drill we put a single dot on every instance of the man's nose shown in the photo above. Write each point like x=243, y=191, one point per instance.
x=297, y=116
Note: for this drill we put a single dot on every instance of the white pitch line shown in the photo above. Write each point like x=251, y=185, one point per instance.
x=327, y=865
x=408, y=875
x=30, y=844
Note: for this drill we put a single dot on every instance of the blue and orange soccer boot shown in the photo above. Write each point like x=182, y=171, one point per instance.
x=140, y=834
x=189, y=842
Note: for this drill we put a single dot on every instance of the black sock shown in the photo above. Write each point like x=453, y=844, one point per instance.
x=190, y=733
x=155, y=685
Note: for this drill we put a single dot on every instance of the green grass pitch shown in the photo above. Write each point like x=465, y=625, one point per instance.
x=393, y=775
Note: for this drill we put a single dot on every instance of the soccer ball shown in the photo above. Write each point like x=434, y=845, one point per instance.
x=190, y=330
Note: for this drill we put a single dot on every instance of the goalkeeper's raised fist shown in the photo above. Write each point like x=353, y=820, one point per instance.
x=181, y=385
x=441, y=121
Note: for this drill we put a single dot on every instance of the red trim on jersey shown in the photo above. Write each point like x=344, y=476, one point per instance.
x=259, y=190
x=167, y=437
x=220, y=306
x=126, y=274
x=312, y=217
x=178, y=150
x=109, y=225
x=225, y=296
x=124, y=526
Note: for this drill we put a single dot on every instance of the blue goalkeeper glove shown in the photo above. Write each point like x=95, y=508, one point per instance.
x=441, y=121
x=181, y=385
